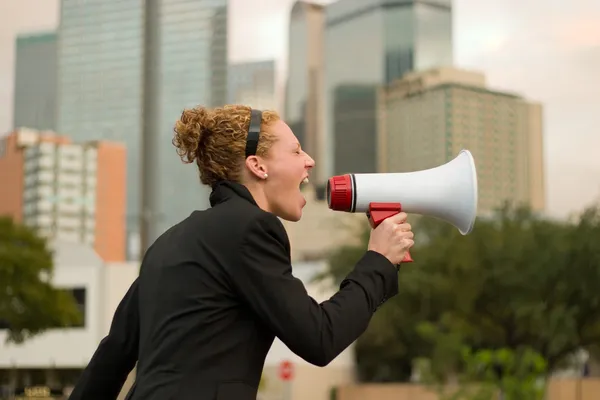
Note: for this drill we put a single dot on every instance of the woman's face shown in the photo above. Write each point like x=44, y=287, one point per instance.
x=287, y=167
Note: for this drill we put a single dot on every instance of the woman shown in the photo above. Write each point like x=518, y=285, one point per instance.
x=217, y=288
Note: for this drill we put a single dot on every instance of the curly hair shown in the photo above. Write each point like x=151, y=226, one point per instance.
x=216, y=140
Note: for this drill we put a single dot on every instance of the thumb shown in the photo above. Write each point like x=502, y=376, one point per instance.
x=399, y=218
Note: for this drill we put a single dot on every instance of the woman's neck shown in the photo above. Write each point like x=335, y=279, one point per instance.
x=258, y=194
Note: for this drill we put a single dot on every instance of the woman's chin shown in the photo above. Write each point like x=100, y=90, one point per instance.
x=292, y=215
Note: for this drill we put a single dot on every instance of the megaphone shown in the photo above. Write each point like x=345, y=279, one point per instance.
x=447, y=192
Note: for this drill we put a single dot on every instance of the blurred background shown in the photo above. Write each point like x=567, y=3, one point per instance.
x=90, y=91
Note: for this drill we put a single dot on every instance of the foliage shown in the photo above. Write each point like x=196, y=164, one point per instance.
x=518, y=375
x=29, y=304
x=518, y=280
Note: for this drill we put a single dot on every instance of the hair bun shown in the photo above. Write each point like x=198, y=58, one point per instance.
x=189, y=130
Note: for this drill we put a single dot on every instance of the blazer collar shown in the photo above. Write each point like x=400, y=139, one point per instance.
x=225, y=190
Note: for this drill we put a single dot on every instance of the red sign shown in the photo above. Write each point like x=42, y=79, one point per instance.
x=286, y=370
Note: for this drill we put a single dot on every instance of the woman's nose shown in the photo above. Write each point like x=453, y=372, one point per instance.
x=309, y=161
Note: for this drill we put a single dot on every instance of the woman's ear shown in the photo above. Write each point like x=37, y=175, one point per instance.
x=256, y=167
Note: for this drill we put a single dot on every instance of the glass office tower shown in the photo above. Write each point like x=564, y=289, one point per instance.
x=194, y=71
x=100, y=88
x=369, y=44
x=253, y=84
x=35, y=81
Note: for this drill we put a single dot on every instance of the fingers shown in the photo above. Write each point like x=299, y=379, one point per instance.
x=405, y=227
x=408, y=243
x=402, y=228
x=399, y=218
x=405, y=234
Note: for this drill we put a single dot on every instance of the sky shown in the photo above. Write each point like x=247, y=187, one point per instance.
x=545, y=50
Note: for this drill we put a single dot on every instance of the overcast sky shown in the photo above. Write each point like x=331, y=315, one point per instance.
x=547, y=50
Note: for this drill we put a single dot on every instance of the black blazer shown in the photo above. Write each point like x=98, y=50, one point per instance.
x=213, y=293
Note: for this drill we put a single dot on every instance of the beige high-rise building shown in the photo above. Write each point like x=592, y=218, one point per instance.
x=304, y=99
x=427, y=117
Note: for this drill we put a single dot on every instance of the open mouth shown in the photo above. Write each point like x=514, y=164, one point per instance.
x=304, y=181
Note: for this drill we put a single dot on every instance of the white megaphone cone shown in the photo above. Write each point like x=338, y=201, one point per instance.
x=447, y=192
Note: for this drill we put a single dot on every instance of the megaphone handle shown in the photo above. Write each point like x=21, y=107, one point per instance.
x=378, y=212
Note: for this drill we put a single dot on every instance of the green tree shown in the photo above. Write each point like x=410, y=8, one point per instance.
x=521, y=280
x=517, y=374
x=29, y=304
x=518, y=280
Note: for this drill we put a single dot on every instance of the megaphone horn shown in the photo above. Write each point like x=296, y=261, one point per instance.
x=447, y=192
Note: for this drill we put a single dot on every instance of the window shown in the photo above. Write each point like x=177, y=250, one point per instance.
x=79, y=294
x=2, y=147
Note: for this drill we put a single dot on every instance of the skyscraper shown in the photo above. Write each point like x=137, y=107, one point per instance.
x=253, y=83
x=101, y=51
x=427, y=117
x=99, y=80
x=369, y=44
x=193, y=67
x=35, y=81
x=304, y=88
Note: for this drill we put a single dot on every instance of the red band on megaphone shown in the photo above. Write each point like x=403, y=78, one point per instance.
x=339, y=193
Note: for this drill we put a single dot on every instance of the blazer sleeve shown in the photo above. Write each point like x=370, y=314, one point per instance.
x=116, y=355
x=316, y=332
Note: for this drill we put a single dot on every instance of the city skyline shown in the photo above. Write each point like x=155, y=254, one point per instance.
x=509, y=42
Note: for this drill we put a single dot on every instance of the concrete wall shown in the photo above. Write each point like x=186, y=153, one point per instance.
x=558, y=389
x=308, y=383
x=119, y=277
x=574, y=389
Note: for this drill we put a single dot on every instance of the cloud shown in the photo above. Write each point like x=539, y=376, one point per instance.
x=582, y=32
